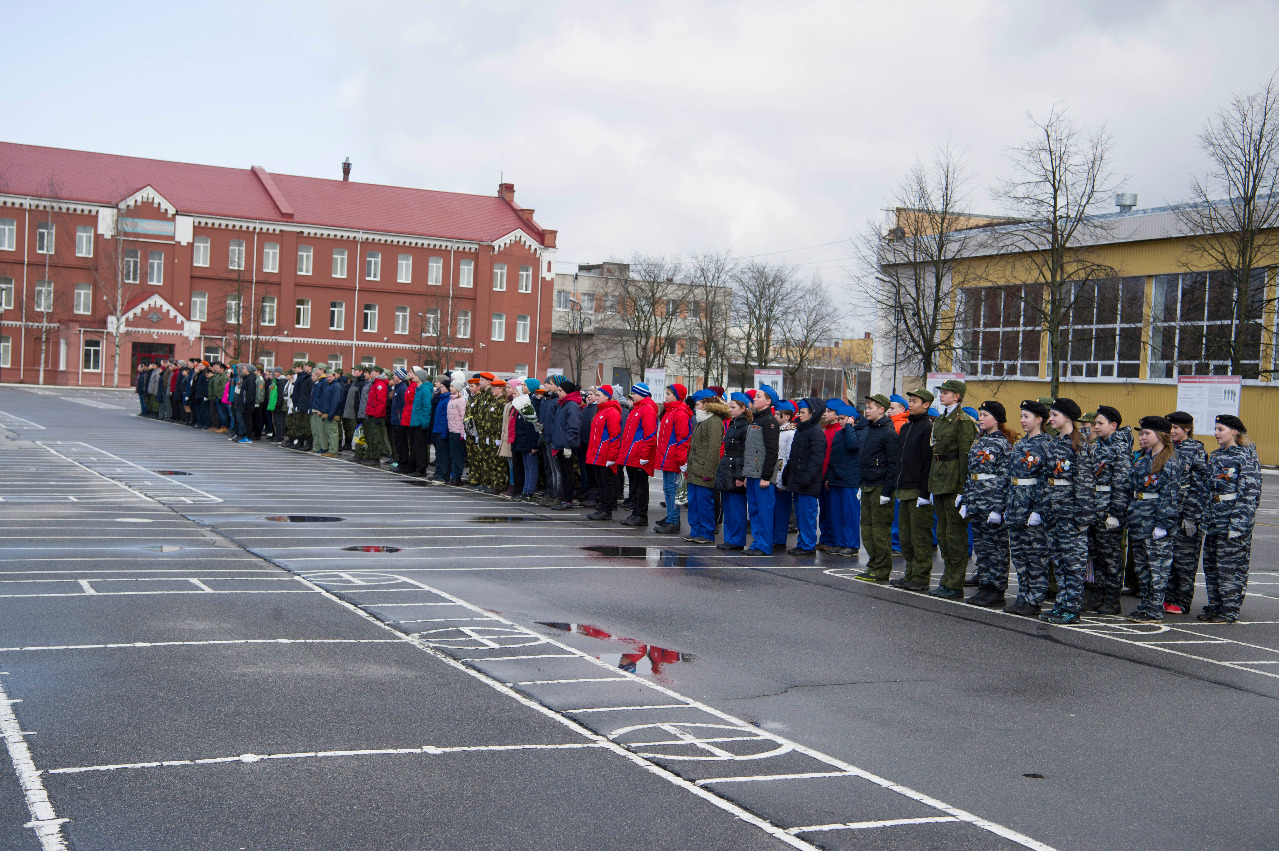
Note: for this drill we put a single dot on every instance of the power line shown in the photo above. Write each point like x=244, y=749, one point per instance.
x=789, y=250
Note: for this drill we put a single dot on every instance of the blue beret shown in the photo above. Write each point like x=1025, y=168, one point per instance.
x=901, y=400
x=770, y=393
x=741, y=398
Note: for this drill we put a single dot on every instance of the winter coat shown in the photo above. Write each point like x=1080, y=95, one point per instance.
x=988, y=460
x=673, y=434
x=844, y=466
x=246, y=391
x=899, y=420
x=351, y=405
x=807, y=454
x=1163, y=507
x=302, y=391
x=1194, y=483
x=566, y=431
x=1070, y=490
x=153, y=382
x=144, y=377
x=1232, y=491
x=362, y=407
x=546, y=416
x=784, y=439
x=420, y=413
x=527, y=436
x=878, y=456
x=456, y=413
x=770, y=431
x=732, y=467
x=379, y=393
x=334, y=397
x=1112, y=472
x=915, y=454
x=606, y=434
x=396, y=410
x=952, y=435
x=588, y=417
x=440, y=419
x=639, y=437
x=1024, y=491
x=200, y=387
x=706, y=445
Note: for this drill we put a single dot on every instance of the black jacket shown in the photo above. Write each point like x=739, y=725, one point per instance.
x=879, y=454
x=915, y=454
x=772, y=431
x=302, y=391
x=803, y=473
x=732, y=463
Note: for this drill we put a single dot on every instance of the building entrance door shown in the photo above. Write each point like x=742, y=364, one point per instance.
x=150, y=353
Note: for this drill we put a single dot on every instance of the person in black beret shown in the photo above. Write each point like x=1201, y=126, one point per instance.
x=984, y=495
x=1111, y=458
x=1024, y=499
x=1233, y=491
x=1156, y=477
x=1067, y=508
x=1188, y=537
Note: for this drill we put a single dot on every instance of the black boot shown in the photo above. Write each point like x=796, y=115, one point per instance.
x=1110, y=605
x=1091, y=599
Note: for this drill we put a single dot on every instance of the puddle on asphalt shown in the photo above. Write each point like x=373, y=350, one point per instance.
x=656, y=556
x=162, y=548
x=520, y=518
x=371, y=548
x=640, y=658
x=171, y=472
x=302, y=518
x=417, y=483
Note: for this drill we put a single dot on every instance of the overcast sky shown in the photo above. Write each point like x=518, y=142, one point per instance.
x=658, y=127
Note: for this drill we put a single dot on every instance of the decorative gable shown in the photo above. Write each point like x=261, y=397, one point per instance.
x=148, y=193
x=156, y=315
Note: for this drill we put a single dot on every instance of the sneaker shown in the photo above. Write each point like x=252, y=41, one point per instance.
x=664, y=528
x=244, y=440
x=847, y=552
x=796, y=551
x=563, y=506
x=1023, y=608
x=1061, y=617
x=754, y=552
x=1110, y=608
x=602, y=515
x=867, y=576
x=1214, y=617
x=693, y=539
x=634, y=520
x=1140, y=616
x=898, y=582
x=727, y=547
x=330, y=455
x=1174, y=609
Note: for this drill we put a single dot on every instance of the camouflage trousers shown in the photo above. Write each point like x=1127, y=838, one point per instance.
x=1185, y=565
x=1105, y=547
x=1068, y=554
x=1226, y=572
x=1152, y=561
x=298, y=425
x=375, y=445
x=990, y=547
x=1028, y=547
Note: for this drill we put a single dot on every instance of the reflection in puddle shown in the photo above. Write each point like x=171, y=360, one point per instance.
x=161, y=548
x=654, y=555
x=519, y=518
x=371, y=548
x=302, y=518
x=171, y=472
x=640, y=658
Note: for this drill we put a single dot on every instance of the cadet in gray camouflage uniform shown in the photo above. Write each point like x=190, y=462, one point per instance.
x=983, y=496
x=1152, y=516
x=1069, y=499
x=1112, y=470
x=1188, y=538
x=1023, y=500
x=1233, y=490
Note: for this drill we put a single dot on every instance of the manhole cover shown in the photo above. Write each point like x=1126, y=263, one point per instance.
x=171, y=472
x=302, y=518
x=371, y=548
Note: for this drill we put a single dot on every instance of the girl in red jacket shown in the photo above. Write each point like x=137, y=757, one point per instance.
x=639, y=449
x=603, y=449
x=672, y=452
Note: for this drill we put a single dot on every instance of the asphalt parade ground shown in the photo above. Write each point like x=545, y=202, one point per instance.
x=208, y=645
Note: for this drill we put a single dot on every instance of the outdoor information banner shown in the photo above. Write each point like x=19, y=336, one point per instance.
x=656, y=381
x=771, y=377
x=1206, y=396
x=935, y=379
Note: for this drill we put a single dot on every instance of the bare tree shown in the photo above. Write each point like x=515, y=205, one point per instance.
x=437, y=331
x=1062, y=175
x=1233, y=217
x=710, y=278
x=650, y=301
x=581, y=342
x=118, y=276
x=238, y=317
x=806, y=328
x=763, y=294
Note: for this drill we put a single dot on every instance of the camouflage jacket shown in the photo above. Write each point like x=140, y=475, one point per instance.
x=988, y=457
x=1069, y=493
x=1195, y=460
x=1112, y=470
x=488, y=418
x=1027, y=465
x=1233, y=470
x=952, y=436
x=1145, y=515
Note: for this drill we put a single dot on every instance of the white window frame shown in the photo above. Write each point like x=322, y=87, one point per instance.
x=404, y=269
x=373, y=266
x=212, y=352
x=46, y=237
x=234, y=309
x=431, y=322
x=8, y=234
x=6, y=293
x=132, y=265
x=83, y=299
x=155, y=268
x=43, y=301
x=337, y=315
x=521, y=369
x=563, y=300
x=339, y=262
x=434, y=271
x=302, y=313
x=464, y=324
x=497, y=331
x=367, y=360
x=267, y=358
x=499, y=277
x=306, y=255
x=300, y=357
x=370, y=318
x=271, y=257
x=526, y=279
x=270, y=309
x=235, y=255
x=84, y=241
x=199, y=306
x=399, y=363
x=402, y=319
x=6, y=350
x=335, y=361
x=91, y=356
x=521, y=328
x=466, y=274
x=200, y=250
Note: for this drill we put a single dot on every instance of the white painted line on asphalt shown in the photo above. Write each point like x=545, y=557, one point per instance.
x=198, y=584
x=152, y=593
x=522, y=658
x=866, y=825
x=752, y=778
x=619, y=708
x=15, y=422
x=162, y=488
x=44, y=820
x=441, y=620
x=212, y=642
x=84, y=583
x=578, y=680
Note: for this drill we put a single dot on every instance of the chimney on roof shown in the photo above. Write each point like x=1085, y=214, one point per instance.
x=506, y=191
x=346, y=169
x=1125, y=201
x=867, y=337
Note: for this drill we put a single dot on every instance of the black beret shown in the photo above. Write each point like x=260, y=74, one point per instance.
x=995, y=409
x=1069, y=407
x=1231, y=421
x=1155, y=424
x=1111, y=414
x=1180, y=418
x=1036, y=407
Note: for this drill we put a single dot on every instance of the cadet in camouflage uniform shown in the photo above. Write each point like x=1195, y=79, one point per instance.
x=1111, y=458
x=486, y=416
x=1188, y=538
x=1152, y=515
x=952, y=436
x=1068, y=508
x=983, y=495
x=469, y=431
x=1023, y=501
x=1232, y=491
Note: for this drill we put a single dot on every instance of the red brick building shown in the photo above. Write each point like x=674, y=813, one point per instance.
x=171, y=259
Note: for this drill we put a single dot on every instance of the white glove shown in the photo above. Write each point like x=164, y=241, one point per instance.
x=1112, y=523
x=1234, y=534
x=921, y=502
x=959, y=497
x=609, y=463
x=1189, y=527
x=963, y=512
x=1159, y=533
x=994, y=518
x=1035, y=519
x=683, y=468
x=885, y=500
x=568, y=453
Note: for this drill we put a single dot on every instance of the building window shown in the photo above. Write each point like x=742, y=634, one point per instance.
x=562, y=299
x=6, y=293
x=212, y=353
x=233, y=310
x=1104, y=334
x=92, y=356
x=339, y=262
x=302, y=313
x=267, y=358
x=521, y=329
x=200, y=251
x=271, y=257
x=431, y=322
x=672, y=346
x=370, y=317
x=373, y=266
x=672, y=307
x=6, y=347
x=44, y=296
x=401, y=320
x=1000, y=332
x=235, y=255
x=367, y=360
x=83, y=298
x=435, y=271
x=521, y=369
x=199, y=306
x=588, y=302
x=404, y=269
x=499, y=327
x=464, y=323
x=399, y=363
x=155, y=267
x=305, y=254
x=461, y=364
x=300, y=357
x=526, y=279
x=335, y=361
x=8, y=236
x=466, y=274
x=337, y=315
x=268, y=310
x=84, y=241
x=132, y=265
x=499, y=277
x=45, y=235
x=610, y=304
x=1196, y=325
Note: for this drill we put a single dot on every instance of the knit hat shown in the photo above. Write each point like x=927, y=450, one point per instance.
x=401, y=373
x=422, y=374
x=1067, y=407
x=750, y=394
x=741, y=399
x=618, y=393
x=532, y=385
x=679, y=391
x=639, y=388
x=768, y=391
x=559, y=380
x=1155, y=424
x=1111, y=414
x=605, y=390
x=995, y=409
x=718, y=391
x=1231, y=421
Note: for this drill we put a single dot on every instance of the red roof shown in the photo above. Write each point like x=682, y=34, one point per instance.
x=241, y=194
